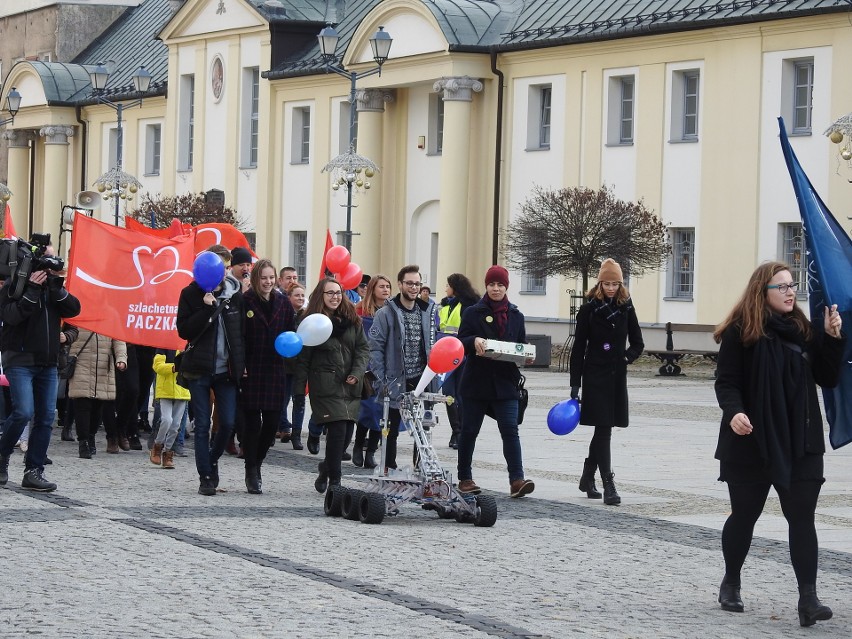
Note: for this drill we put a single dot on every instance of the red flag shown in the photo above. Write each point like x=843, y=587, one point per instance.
x=328, y=245
x=206, y=234
x=129, y=283
x=8, y=225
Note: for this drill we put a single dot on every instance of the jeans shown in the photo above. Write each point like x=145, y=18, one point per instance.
x=171, y=413
x=505, y=411
x=33, y=391
x=225, y=392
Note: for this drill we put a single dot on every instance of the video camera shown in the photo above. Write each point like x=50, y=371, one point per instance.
x=20, y=259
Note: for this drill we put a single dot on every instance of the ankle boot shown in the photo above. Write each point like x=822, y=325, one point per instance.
x=4, y=469
x=84, y=450
x=369, y=459
x=67, y=436
x=729, y=595
x=253, y=480
x=156, y=454
x=811, y=609
x=587, y=480
x=168, y=459
x=296, y=439
x=610, y=496
x=321, y=482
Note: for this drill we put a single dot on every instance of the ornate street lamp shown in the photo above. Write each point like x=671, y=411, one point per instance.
x=346, y=168
x=13, y=105
x=115, y=183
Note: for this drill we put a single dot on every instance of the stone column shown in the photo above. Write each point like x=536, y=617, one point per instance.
x=455, y=176
x=55, y=179
x=18, y=141
x=367, y=218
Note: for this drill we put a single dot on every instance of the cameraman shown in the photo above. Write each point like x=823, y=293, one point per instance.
x=30, y=366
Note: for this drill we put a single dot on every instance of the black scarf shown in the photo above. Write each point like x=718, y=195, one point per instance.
x=608, y=309
x=501, y=313
x=339, y=325
x=778, y=391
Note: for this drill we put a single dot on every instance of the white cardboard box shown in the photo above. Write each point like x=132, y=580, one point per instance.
x=510, y=351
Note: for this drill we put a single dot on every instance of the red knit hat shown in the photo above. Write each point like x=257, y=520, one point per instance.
x=497, y=274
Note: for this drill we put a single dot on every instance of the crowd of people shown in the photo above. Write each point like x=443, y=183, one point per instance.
x=229, y=380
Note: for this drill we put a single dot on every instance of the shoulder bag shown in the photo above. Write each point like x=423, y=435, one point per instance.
x=67, y=363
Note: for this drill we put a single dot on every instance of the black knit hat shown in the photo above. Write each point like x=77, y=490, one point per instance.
x=240, y=255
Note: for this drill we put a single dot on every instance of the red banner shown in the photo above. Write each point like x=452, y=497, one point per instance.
x=328, y=244
x=129, y=283
x=206, y=235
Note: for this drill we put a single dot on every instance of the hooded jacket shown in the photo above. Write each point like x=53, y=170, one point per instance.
x=94, y=375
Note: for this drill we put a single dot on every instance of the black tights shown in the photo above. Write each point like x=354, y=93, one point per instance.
x=798, y=504
x=599, y=451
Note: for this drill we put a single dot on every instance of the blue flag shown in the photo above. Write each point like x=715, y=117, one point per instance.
x=829, y=263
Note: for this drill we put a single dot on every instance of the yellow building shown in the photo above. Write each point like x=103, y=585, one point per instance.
x=478, y=102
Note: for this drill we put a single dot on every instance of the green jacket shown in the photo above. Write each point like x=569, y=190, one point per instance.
x=325, y=368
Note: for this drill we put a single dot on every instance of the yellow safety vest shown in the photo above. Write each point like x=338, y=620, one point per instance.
x=449, y=318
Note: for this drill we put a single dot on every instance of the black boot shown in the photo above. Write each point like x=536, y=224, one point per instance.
x=811, y=609
x=83, y=448
x=296, y=439
x=610, y=496
x=369, y=459
x=93, y=447
x=587, y=480
x=253, y=480
x=67, y=435
x=321, y=482
x=4, y=469
x=729, y=595
x=313, y=444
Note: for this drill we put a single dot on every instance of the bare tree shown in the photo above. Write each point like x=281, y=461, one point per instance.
x=571, y=231
x=190, y=208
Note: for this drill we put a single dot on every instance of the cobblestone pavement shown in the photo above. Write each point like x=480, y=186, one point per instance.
x=126, y=549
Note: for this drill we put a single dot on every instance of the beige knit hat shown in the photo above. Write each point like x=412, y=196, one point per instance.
x=610, y=271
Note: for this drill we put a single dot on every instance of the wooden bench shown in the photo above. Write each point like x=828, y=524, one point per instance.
x=671, y=356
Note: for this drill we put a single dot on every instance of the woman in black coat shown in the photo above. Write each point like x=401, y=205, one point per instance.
x=606, y=324
x=770, y=359
x=268, y=313
x=488, y=386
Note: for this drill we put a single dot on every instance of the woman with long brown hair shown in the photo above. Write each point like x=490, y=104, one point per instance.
x=335, y=372
x=770, y=359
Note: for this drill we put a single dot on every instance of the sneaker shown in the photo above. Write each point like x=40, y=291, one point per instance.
x=179, y=450
x=469, y=486
x=521, y=487
x=206, y=487
x=34, y=480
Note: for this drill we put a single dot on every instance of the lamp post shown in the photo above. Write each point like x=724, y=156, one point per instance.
x=346, y=168
x=13, y=105
x=115, y=183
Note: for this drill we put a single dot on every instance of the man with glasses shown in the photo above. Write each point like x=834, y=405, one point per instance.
x=401, y=338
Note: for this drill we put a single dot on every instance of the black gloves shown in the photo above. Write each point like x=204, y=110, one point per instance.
x=575, y=392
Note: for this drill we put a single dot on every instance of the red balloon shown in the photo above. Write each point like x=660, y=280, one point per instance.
x=337, y=259
x=446, y=355
x=351, y=276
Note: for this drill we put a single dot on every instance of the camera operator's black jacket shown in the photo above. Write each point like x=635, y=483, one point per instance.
x=30, y=333
x=193, y=322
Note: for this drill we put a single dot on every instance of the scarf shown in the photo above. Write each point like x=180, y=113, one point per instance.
x=500, y=310
x=608, y=309
x=339, y=325
x=778, y=392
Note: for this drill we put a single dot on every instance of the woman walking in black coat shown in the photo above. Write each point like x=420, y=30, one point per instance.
x=606, y=324
x=268, y=313
x=770, y=359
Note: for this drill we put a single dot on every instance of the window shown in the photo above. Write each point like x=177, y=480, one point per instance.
x=533, y=283
x=153, y=140
x=112, y=159
x=539, y=117
x=299, y=254
x=792, y=251
x=345, y=114
x=621, y=101
x=301, y=146
x=253, y=94
x=251, y=238
x=186, y=140
x=686, y=87
x=803, y=96
x=436, y=124
x=682, y=272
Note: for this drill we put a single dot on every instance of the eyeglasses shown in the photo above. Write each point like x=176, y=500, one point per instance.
x=412, y=284
x=333, y=293
x=783, y=288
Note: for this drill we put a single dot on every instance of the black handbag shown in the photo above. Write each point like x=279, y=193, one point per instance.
x=368, y=389
x=67, y=363
x=523, y=399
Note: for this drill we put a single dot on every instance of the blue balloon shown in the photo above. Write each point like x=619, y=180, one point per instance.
x=564, y=417
x=208, y=270
x=288, y=344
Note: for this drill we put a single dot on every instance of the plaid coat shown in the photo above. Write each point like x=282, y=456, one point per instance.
x=263, y=386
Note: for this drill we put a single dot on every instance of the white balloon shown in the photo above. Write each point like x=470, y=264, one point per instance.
x=315, y=329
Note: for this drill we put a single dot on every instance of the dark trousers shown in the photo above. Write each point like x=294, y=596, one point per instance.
x=259, y=429
x=88, y=414
x=505, y=411
x=335, y=444
x=127, y=395
x=798, y=502
x=394, y=420
x=600, y=451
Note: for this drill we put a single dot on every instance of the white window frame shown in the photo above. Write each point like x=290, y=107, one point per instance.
x=793, y=251
x=300, y=152
x=186, y=138
x=617, y=103
x=436, y=124
x=686, y=105
x=797, y=98
x=250, y=129
x=539, y=117
x=153, y=148
x=681, y=284
x=299, y=254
